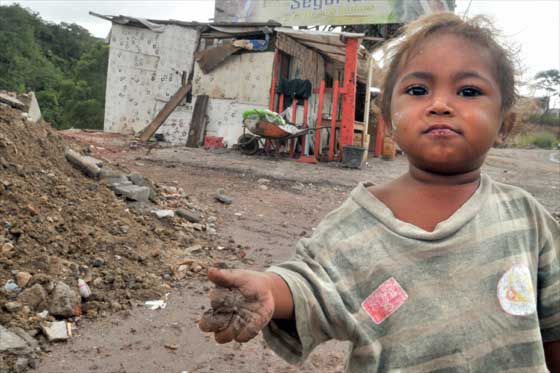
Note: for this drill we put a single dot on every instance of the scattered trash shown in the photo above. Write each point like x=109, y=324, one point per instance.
x=157, y=304
x=57, y=330
x=85, y=291
x=11, y=286
x=164, y=213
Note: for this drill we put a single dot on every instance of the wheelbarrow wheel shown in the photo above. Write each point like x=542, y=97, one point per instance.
x=248, y=144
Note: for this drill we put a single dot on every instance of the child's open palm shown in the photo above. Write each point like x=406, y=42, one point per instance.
x=242, y=305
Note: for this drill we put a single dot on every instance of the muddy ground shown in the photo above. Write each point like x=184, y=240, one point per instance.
x=263, y=223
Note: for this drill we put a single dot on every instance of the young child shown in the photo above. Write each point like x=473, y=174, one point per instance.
x=442, y=269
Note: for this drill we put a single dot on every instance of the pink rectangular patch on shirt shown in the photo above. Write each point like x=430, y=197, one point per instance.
x=385, y=300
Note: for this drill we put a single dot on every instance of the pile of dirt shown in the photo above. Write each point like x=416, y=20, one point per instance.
x=57, y=225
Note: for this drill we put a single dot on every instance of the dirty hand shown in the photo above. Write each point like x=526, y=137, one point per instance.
x=242, y=304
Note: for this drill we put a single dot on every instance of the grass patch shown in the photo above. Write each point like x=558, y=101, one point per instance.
x=544, y=140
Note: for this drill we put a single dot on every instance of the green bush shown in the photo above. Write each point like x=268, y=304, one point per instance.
x=546, y=119
x=542, y=140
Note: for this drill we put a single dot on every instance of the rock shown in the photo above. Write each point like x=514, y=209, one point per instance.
x=220, y=196
x=13, y=307
x=35, y=297
x=22, y=279
x=11, y=342
x=140, y=180
x=189, y=216
x=212, y=219
x=115, y=306
x=110, y=176
x=137, y=179
x=21, y=365
x=32, y=342
x=97, y=282
x=133, y=192
x=98, y=262
x=298, y=186
x=7, y=247
x=263, y=187
x=164, y=213
x=63, y=301
x=55, y=331
x=263, y=181
x=95, y=161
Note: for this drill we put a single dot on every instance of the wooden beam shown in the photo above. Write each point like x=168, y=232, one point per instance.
x=165, y=112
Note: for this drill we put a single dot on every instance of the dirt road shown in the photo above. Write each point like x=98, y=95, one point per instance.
x=266, y=218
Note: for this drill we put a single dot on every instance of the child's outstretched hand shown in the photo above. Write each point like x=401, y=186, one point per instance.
x=242, y=304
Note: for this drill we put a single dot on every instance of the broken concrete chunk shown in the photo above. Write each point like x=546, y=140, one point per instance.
x=111, y=177
x=95, y=161
x=189, y=216
x=63, y=301
x=10, y=342
x=220, y=196
x=133, y=192
x=12, y=101
x=137, y=179
x=55, y=331
x=35, y=297
x=87, y=167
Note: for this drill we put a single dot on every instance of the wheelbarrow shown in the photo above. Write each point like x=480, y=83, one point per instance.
x=260, y=133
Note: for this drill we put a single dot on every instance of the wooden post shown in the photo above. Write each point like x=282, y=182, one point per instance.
x=275, y=67
x=334, y=114
x=319, y=121
x=349, y=98
x=304, y=137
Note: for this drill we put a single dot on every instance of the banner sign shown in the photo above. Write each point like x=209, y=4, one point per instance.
x=327, y=12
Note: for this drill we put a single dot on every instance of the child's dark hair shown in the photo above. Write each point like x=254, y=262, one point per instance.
x=479, y=30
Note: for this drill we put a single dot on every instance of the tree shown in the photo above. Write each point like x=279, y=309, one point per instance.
x=549, y=82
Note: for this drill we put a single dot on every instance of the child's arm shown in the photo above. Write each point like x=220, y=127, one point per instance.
x=552, y=353
x=244, y=302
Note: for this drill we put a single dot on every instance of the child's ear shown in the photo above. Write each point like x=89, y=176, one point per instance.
x=505, y=128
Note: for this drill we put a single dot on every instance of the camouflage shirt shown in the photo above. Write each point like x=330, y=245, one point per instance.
x=478, y=294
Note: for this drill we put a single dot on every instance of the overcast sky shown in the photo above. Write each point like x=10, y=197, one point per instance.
x=534, y=25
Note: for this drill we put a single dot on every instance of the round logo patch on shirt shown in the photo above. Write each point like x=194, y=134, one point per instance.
x=515, y=291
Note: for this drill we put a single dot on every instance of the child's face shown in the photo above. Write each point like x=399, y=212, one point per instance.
x=446, y=105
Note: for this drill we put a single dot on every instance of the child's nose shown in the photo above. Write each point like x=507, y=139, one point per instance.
x=439, y=106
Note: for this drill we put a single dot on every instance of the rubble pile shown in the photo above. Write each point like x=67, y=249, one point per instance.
x=70, y=248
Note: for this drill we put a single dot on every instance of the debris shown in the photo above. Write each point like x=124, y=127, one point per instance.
x=63, y=301
x=189, y=216
x=13, y=307
x=171, y=346
x=164, y=213
x=87, y=167
x=263, y=181
x=263, y=187
x=43, y=315
x=11, y=287
x=11, y=342
x=298, y=186
x=133, y=192
x=12, y=101
x=57, y=330
x=157, y=304
x=35, y=297
x=84, y=289
x=22, y=279
x=220, y=196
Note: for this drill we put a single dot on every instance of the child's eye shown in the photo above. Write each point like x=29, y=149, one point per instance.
x=469, y=92
x=416, y=90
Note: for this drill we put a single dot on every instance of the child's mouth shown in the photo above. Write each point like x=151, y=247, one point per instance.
x=441, y=131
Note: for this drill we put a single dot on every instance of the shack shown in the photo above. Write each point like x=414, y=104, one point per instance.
x=205, y=75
